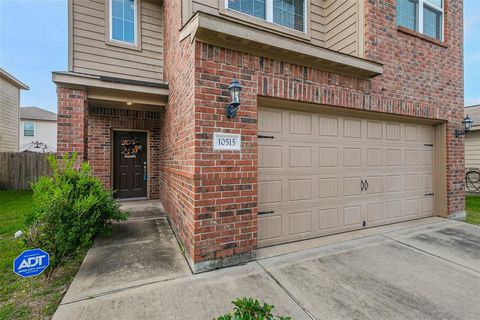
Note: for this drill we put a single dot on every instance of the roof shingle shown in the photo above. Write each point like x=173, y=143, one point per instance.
x=35, y=113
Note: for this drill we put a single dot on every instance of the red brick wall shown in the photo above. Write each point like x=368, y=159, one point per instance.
x=72, y=118
x=424, y=73
x=226, y=185
x=177, y=153
x=101, y=123
x=212, y=196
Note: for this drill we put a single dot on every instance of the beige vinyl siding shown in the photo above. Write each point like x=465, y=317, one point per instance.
x=342, y=27
x=92, y=54
x=9, y=116
x=208, y=6
x=474, y=113
x=472, y=149
x=317, y=23
x=472, y=139
x=334, y=24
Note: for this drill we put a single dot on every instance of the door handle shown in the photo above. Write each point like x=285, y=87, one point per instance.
x=366, y=184
x=145, y=171
x=362, y=185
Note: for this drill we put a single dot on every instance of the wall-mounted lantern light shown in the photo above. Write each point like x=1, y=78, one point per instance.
x=234, y=88
x=467, y=125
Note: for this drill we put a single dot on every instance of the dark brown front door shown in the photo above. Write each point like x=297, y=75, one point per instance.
x=130, y=164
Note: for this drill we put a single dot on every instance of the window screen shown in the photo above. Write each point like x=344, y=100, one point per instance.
x=407, y=14
x=432, y=23
x=254, y=8
x=289, y=13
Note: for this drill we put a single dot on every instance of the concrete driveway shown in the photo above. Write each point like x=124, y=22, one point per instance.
x=427, y=269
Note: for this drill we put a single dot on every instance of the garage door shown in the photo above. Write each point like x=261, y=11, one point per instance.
x=322, y=174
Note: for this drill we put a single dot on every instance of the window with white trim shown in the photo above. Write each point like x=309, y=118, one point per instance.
x=123, y=21
x=424, y=16
x=288, y=13
x=29, y=129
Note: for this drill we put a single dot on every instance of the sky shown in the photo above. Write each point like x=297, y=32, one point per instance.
x=472, y=51
x=34, y=42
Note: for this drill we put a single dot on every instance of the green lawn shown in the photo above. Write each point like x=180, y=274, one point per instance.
x=473, y=209
x=31, y=298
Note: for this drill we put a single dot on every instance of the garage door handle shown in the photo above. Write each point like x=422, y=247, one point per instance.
x=265, y=212
x=362, y=185
x=366, y=184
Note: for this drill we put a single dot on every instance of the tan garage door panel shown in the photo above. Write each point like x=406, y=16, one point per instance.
x=311, y=174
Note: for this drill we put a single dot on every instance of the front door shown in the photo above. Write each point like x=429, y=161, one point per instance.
x=130, y=164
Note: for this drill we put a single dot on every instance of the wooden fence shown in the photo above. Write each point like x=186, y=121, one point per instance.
x=19, y=169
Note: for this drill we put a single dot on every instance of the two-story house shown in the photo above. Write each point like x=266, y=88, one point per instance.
x=10, y=111
x=345, y=120
x=38, y=130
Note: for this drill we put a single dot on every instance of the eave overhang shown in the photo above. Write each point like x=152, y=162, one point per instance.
x=236, y=36
x=114, y=89
x=19, y=84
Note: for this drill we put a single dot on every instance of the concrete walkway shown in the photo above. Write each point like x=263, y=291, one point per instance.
x=139, y=251
x=429, y=269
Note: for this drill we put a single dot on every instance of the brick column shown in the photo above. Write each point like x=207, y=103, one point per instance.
x=72, y=123
x=225, y=225
x=455, y=169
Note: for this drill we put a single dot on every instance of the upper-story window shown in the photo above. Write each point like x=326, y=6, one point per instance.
x=123, y=21
x=424, y=16
x=29, y=129
x=288, y=13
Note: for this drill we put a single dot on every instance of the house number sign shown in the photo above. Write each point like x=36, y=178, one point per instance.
x=226, y=141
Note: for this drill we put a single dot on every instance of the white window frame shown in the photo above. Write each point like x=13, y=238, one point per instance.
x=269, y=15
x=34, y=129
x=135, y=25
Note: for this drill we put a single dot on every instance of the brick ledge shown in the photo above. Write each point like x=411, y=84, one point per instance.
x=421, y=36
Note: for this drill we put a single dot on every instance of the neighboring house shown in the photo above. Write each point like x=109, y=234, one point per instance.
x=38, y=130
x=472, y=139
x=346, y=118
x=9, y=111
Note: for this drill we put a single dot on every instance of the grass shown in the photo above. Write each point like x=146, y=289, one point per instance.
x=29, y=298
x=473, y=209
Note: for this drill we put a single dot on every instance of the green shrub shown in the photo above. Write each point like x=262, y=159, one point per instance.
x=69, y=209
x=250, y=309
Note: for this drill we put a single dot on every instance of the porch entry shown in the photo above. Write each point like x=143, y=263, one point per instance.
x=130, y=156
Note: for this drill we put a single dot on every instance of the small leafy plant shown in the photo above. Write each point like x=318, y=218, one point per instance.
x=250, y=309
x=69, y=209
